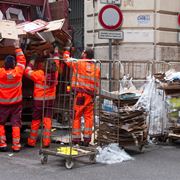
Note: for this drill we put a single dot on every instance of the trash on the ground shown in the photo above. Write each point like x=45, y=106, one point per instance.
x=10, y=155
x=61, y=138
x=54, y=129
x=112, y=154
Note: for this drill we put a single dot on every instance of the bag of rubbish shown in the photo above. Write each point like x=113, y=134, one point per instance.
x=112, y=154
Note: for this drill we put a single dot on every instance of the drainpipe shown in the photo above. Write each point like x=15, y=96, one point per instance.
x=155, y=28
x=94, y=22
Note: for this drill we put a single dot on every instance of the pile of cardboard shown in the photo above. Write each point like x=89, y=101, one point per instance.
x=126, y=127
x=35, y=36
x=170, y=81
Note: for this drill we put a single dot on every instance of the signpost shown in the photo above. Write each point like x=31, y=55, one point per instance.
x=111, y=35
x=117, y=2
x=178, y=34
x=111, y=18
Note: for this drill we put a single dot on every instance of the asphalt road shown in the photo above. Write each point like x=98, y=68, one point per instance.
x=158, y=162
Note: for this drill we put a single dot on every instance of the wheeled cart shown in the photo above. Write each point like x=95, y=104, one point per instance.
x=62, y=145
x=119, y=121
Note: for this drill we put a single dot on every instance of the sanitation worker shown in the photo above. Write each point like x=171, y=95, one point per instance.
x=11, y=97
x=85, y=82
x=45, y=82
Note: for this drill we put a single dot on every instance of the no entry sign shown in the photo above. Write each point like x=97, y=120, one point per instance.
x=179, y=19
x=110, y=17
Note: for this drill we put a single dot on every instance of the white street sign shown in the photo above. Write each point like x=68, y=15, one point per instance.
x=118, y=2
x=111, y=35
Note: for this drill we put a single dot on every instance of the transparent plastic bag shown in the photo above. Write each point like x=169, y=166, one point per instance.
x=112, y=154
x=145, y=99
x=126, y=85
x=158, y=114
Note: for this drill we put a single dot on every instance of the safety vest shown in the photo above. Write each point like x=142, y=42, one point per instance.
x=85, y=75
x=11, y=81
x=42, y=91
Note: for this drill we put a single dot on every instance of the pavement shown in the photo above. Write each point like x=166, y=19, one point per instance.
x=158, y=162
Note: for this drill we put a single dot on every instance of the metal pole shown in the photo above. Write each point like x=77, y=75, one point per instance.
x=110, y=64
x=44, y=7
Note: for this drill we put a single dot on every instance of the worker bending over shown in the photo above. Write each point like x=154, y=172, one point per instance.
x=44, y=90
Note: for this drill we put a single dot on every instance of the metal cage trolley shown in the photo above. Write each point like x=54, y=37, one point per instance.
x=118, y=122
x=64, y=112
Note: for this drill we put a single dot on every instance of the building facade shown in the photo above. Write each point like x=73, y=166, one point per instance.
x=150, y=30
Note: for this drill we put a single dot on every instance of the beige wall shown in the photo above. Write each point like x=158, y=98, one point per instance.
x=141, y=36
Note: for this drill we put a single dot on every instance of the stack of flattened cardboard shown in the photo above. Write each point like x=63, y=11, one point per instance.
x=170, y=81
x=126, y=127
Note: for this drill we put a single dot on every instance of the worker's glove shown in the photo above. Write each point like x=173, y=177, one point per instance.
x=33, y=58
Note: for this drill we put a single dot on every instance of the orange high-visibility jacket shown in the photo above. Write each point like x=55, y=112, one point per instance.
x=11, y=81
x=42, y=91
x=86, y=74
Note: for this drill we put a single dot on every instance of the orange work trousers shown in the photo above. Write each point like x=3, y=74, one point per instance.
x=15, y=138
x=2, y=137
x=83, y=105
x=47, y=124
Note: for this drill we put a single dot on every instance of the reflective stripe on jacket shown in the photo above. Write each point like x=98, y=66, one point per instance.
x=42, y=91
x=86, y=74
x=11, y=81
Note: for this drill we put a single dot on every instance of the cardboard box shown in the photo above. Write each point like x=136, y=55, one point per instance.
x=8, y=30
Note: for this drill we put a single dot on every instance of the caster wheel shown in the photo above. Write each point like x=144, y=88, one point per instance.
x=44, y=159
x=69, y=164
x=171, y=141
x=92, y=158
x=141, y=148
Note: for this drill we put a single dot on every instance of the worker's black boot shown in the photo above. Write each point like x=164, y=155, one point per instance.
x=3, y=149
x=16, y=150
x=86, y=142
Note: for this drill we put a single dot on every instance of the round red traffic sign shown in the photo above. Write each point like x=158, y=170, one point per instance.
x=110, y=17
x=179, y=19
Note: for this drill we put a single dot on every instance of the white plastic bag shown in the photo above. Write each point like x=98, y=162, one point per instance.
x=145, y=99
x=112, y=154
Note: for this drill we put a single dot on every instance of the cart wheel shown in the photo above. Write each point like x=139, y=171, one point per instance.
x=92, y=158
x=141, y=148
x=44, y=159
x=171, y=140
x=69, y=164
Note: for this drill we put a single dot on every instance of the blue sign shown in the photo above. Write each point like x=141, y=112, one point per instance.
x=143, y=19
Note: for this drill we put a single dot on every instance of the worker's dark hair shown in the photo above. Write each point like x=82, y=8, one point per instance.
x=89, y=53
x=9, y=62
x=51, y=73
